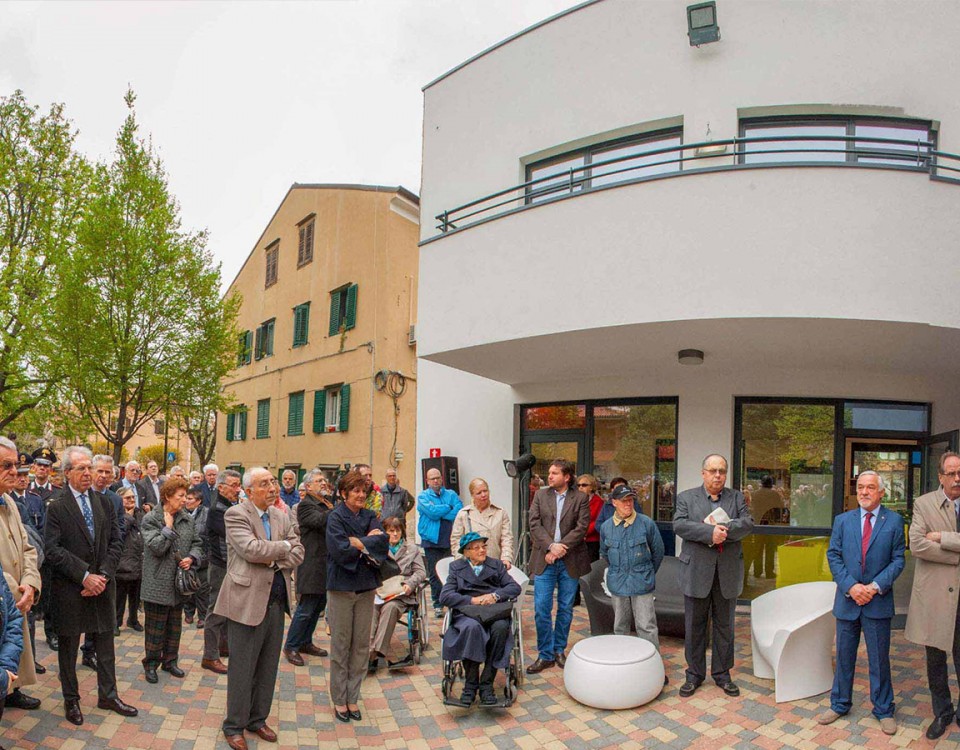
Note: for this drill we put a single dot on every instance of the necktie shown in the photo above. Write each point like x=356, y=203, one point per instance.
x=867, y=531
x=266, y=523
x=87, y=513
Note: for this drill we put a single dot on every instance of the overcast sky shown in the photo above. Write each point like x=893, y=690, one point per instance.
x=244, y=98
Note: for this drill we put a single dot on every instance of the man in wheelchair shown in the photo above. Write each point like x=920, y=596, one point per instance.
x=479, y=592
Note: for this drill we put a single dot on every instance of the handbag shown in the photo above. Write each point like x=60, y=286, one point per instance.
x=487, y=613
x=187, y=582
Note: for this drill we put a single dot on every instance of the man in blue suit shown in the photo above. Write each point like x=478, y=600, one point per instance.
x=865, y=557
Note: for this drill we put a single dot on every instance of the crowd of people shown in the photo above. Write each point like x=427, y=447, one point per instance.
x=237, y=555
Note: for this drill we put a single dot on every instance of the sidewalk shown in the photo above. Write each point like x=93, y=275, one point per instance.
x=404, y=710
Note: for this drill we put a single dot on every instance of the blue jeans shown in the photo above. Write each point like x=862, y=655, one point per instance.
x=877, y=635
x=304, y=620
x=552, y=637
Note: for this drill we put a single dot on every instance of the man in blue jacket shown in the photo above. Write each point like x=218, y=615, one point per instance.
x=436, y=509
x=865, y=557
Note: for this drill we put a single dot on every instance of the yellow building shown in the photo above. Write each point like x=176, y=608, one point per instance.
x=327, y=321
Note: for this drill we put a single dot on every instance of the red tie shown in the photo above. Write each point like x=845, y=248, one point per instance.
x=867, y=530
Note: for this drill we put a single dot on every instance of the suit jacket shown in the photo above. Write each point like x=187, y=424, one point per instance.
x=71, y=553
x=209, y=493
x=146, y=492
x=312, y=525
x=574, y=521
x=252, y=560
x=883, y=564
x=936, y=579
x=18, y=558
x=699, y=558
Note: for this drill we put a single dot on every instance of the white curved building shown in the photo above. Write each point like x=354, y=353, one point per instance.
x=783, y=200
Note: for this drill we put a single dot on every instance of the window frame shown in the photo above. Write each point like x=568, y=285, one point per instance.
x=301, y=324
x=343, y=308
x=293, y=415
x=263, y=419
x=306, y=230
x=272, y=257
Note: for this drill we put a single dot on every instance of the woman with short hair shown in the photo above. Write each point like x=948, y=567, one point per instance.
x=488, y=520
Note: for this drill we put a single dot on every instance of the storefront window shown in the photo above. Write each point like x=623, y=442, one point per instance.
x=559, y=417
x=786, y=463
x=638, y=442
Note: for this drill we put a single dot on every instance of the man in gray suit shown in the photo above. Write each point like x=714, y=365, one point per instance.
x=711, y=575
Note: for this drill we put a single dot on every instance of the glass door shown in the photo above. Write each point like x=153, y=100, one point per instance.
x=547, y=450
x=932, y=448
x=893, y=463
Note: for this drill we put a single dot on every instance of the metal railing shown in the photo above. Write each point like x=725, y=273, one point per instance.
x=708, y=156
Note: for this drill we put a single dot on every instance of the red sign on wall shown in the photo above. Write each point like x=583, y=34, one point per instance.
x=434, y=453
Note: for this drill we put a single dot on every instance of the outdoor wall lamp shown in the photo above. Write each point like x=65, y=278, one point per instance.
x=702, y=27
x=690, y=357
x=517, y=466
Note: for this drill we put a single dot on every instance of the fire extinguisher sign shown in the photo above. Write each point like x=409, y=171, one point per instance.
x=434, y=453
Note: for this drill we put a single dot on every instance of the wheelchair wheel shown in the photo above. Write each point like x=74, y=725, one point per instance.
x=415, y=651
x=446, y=686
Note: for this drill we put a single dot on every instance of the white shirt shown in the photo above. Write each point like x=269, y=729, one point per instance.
x=560, y=499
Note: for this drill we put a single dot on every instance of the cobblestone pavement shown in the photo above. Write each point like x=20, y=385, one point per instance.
x=404, y=710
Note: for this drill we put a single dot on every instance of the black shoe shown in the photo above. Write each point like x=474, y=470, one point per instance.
x=561, y=659
x=731, y=689
x=343, y=716
x=39, y=668
x=71, y=708
x=117, y=706
x=54, y=643
x=188, y=619
x=355, y=715
x=116, y=631
x=401, y=663
x=468, y=696
x=688, y=688
x=136, y=626
x=90, y=660
x=174, y=670
x=18, y=699
x=151, y=674
x=372, y=665
x=487, y=696
x=934, y=731
x=540, y=664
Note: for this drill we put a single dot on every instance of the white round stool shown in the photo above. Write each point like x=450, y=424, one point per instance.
x=613, y=671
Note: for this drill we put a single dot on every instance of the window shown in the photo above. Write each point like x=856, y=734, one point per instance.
x=331, y=409
x=237, y=425
x=301, y=324
x=866, y=415
x=631, y=159
x=838, y=139
x=264, y=344
x=295, y=414
x=343, y=309
x=273, y=260
x=245, y=350
x=159, y=427
x=263, y=418
x=305, y=246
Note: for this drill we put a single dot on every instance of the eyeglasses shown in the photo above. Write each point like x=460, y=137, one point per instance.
x=7, y=465
x=585, y=484
x=952, y=474
x=715, y=471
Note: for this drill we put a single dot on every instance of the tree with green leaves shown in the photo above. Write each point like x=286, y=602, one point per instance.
x=144, y=328
x=44, y=186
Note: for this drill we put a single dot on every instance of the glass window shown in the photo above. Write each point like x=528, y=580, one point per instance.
x=641, y=166
x=638, y=442
x=786, y=460
x=865, y=415
x=559, y=185
x=776, y=560
x=332, y=410
x=790, y=150
x=561, y=417
x=903, y=154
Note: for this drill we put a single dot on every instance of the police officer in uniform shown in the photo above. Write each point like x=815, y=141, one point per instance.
x=43, y=460
x=33, y=509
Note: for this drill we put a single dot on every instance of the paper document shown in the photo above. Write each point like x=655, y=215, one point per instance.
x=718, y=516
x=391, y=588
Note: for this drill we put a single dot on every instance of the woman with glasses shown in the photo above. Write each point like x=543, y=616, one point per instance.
x=588, y=485
x=488, y=520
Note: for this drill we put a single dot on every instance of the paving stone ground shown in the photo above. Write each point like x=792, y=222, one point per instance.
x=405, y=710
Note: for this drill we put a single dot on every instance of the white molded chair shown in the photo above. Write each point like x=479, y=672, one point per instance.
x=792, y=630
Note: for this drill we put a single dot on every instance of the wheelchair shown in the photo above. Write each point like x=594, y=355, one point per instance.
x=418, y=629
x=453, y=670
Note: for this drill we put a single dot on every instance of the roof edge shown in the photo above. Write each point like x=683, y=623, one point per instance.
x=509, y=39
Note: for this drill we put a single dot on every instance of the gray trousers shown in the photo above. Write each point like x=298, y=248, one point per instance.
x=640, y=610
x=385, y=618
x=349, y=615
x=252, y=675
x=215, y=626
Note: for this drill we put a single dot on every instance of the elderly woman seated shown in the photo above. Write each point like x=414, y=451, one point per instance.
x=478, y=591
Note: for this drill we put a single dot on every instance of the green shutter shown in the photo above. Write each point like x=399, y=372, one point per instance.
x=231, y=418
x=301, y=322
x=243, y=424
x=334, y=313
x=351, y=306
x=295, y=414
x=263, y=418
x=344, y=407
x=319, y=411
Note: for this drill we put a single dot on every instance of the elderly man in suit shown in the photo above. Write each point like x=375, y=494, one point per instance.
x=263, y=547
x=865, y=557
x=934, y=613
x=559, y=518
x=18, y=558
x=711, y=574
x=82, y=545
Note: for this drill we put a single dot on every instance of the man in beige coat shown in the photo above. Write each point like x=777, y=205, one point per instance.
x=19, y=561
x=934, y=612
x=263, y=548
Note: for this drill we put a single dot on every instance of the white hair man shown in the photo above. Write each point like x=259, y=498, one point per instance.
x=209, y=484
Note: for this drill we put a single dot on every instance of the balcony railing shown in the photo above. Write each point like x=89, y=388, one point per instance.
x=850, y=151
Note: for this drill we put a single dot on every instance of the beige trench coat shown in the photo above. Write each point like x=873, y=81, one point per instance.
x=492, y=523
x=936, y=580
x=19, y=560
